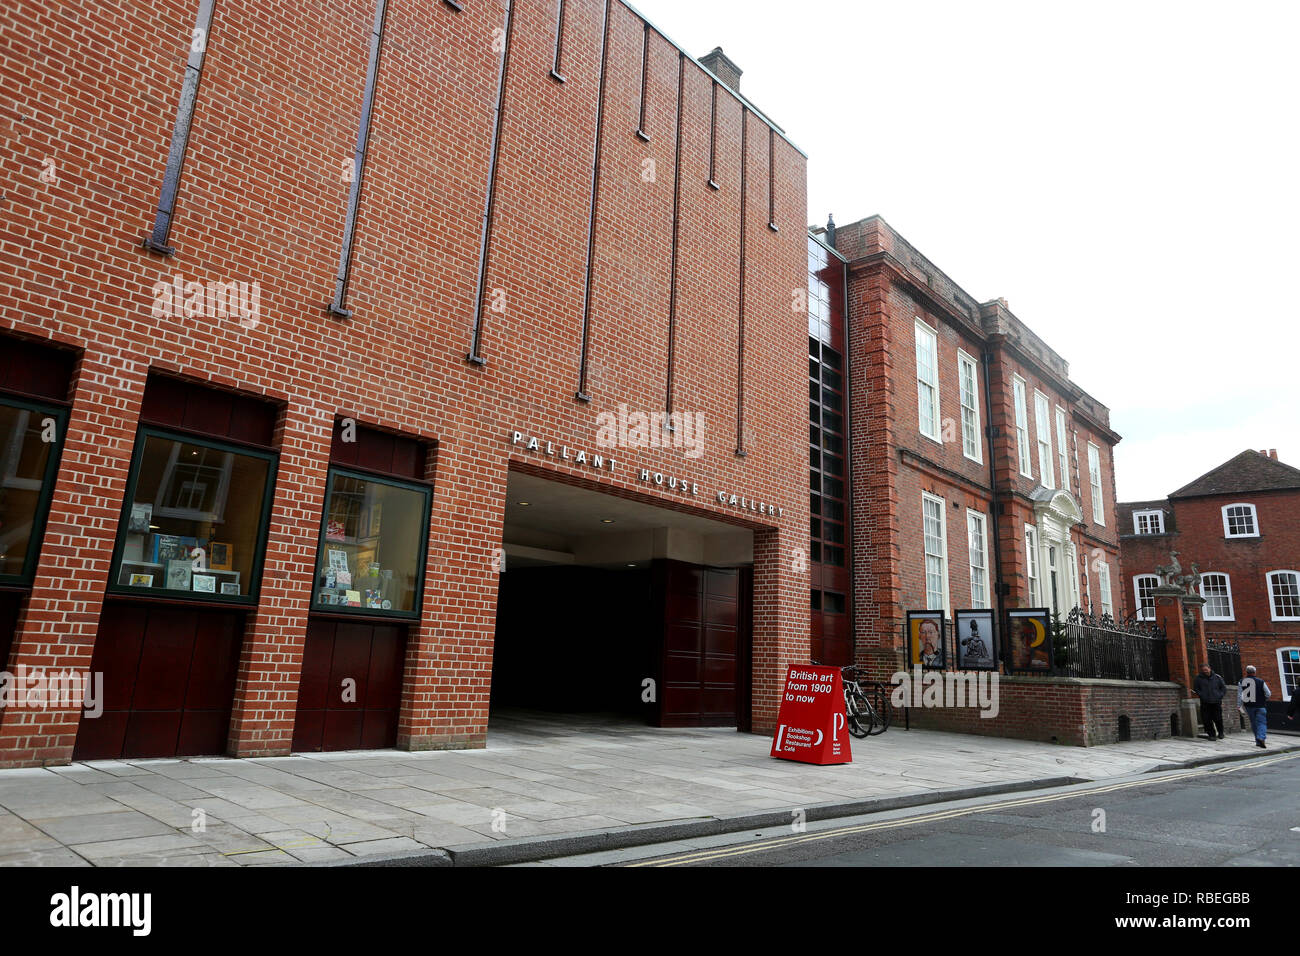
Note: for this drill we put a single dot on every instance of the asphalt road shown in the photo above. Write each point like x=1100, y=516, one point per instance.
x=1245, y=813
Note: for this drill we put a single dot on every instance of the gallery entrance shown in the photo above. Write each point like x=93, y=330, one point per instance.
x=616, y=606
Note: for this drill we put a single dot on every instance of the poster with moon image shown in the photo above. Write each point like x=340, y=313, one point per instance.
x=1029, y=636
x=975, y=649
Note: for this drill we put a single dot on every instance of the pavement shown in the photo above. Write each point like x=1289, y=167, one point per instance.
x=546, y=785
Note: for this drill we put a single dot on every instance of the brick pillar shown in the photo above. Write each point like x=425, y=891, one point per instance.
x=781, y=620
x=57, y=627
x=270, y=660
x=1199, y=652
x=1169, y=612
x=447, y=678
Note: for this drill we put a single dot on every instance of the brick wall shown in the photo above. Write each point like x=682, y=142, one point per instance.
x=1079, y=712
x=262, y=198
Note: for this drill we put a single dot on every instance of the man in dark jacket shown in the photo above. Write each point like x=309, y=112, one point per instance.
x=1253, y=695
x=1210, y=687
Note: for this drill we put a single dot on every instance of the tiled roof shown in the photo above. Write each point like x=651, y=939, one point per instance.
x=1249, y=471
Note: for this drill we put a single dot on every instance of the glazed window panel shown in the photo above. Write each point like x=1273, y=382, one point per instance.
x=371, y=556
x=1239, y=522
x=1144, y=587
x=1062, y=449
x=1284, y=595
x=971, y=444
x=1217, y=591
x=979, y=566
x=29, y=443
x=195, y=522
x=1044, y=428
x=927, y=380
x=1103, y=583
x=1022, y=427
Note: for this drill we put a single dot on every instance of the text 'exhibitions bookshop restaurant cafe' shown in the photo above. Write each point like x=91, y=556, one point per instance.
x=364, y=376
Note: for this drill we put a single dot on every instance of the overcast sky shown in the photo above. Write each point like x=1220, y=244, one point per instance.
x=1123, y=174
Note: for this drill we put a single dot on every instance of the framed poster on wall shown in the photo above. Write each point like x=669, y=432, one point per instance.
x=974, y=646
x=925, y=639
x=1029, y=640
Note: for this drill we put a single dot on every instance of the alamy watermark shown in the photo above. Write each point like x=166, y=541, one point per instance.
x=923, y=689
x=629, y=428
x=179, y=299
x=35, y=688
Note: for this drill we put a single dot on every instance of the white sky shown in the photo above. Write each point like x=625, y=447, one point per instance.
x=1124, y=174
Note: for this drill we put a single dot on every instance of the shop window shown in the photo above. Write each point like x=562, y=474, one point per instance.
x=195, y=520
x=371, y=555
x=30, y=439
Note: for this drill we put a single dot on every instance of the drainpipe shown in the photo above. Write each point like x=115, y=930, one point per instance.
x=994, y=501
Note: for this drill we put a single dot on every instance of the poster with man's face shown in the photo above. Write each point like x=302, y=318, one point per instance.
x=1029, y=638
x=925, y=638
x=973, y=637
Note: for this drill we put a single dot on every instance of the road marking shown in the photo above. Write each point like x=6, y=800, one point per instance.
x=704, y=856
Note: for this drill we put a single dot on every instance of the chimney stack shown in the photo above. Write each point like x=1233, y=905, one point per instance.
x=717, y=63
x=1269, y=453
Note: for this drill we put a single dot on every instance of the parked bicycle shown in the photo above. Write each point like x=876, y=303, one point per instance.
x=868, y=713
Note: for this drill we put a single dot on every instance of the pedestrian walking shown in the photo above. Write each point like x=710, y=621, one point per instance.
x=1252, y=695
x=1211, y=689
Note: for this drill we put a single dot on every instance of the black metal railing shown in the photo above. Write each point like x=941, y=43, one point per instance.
x=1088, y=646
x=1225, y=659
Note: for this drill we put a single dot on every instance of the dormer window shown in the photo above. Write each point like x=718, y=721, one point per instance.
x=1148, y=522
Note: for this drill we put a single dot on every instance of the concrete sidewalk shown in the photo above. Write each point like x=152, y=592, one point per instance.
x=541, y=775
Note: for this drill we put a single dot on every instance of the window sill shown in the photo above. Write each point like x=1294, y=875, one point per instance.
x=244, y=603
x=363, y=614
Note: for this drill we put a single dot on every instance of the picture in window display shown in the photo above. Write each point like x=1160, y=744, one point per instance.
x=372, y=546
x=195, y=519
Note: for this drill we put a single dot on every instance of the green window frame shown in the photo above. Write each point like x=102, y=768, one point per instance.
x=24, y=578
x=251, y=594
x=323, y=544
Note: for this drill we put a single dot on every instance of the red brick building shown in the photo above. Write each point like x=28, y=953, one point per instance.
x=312, y=320
x=1237, y=525
x=966, y=471
x=981, y=475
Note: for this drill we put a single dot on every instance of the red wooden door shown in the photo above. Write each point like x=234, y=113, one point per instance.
x=350, y=692
x=169, y=678
x=701, y=642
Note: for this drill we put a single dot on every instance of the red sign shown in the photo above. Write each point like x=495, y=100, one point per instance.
x=811, y=726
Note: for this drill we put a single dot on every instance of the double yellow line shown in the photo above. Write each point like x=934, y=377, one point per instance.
x=707, y=856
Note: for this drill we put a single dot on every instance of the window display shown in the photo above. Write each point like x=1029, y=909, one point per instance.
x=195, y=521
x=29, y=444
x=373, y=540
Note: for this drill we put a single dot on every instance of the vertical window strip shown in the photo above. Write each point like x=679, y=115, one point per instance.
x=1094, y=481
x=677, y=210
x=338, y=305
x=972, y=447
x=599, y=139
x=979, y=572
x=1043, y=425
x=156, y=241
x=1103, y=582
x=1031, y=565
x=927, y=380
x=1022, y=428
x=489, y=209
x=1217, y=591
x=713, y=139
x=1062, y=449
x=1144, y=587
x=936, y=593
x=771, y=180
x=740, y=319
x=556, y=73
x=645, y=79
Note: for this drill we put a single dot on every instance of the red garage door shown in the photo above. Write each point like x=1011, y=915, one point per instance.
x=351, y=687
x=169, y=677
x=703, y=647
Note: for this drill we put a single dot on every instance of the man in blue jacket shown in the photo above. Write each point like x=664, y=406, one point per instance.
x=1252, y=695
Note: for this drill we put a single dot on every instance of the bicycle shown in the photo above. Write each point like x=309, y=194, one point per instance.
x=866, y=717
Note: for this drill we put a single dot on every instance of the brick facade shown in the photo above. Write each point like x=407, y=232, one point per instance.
x=263, y=198
x=892, y=291
x=1192, y=524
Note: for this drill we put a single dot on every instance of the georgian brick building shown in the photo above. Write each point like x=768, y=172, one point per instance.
x=979, y=475
x=1237, y=524
x=351, y=353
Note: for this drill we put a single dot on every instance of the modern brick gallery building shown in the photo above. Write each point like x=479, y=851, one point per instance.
x=316, y=317
x=370, y=367
x=1237, y=525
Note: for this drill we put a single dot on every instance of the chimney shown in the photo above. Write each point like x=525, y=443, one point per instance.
x=717, y=63
x=830, y=231
x=1269, y=453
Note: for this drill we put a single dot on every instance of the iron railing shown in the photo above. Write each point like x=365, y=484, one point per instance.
x=1102, y=647
x=1225, y=659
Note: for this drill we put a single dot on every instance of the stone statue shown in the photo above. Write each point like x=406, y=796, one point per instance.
x=1170, y=573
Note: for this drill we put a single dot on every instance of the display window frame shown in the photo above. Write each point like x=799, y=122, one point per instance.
x=36, y=539
x=253, y=592
x=353, y=613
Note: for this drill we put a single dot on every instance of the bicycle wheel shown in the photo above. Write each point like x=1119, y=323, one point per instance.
x=858, y=711
x=880, y=711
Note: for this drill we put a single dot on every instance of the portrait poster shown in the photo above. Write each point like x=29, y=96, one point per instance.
x=1029, y=639
x=973, y=639
x=925, y=638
